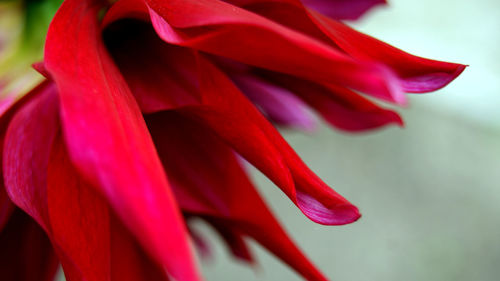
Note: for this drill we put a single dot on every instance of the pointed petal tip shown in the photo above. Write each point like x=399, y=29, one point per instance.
x=432, y=81
x=319, y=213
x=397, y=120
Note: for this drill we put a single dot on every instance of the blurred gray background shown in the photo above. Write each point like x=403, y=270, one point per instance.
x=429, y=193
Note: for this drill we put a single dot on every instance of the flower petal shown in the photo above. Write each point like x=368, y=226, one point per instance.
x=30, y=138
x=79, y=220
x=278, y=104
x=209, y=181
x=343, y=9
x=27, y=146
x=94, y=242
x=417, y=75
x=26, y=253
x=6, y=206
x=231, y=116
x=339, y=106
x=129, y=262
x=233, y=239
x=161, y=76
x=108, y=140
x=220, y=28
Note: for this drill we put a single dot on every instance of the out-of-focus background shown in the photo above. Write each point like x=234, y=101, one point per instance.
x=429, y=193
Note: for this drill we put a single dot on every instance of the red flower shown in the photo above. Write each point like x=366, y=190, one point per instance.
x=137, y=127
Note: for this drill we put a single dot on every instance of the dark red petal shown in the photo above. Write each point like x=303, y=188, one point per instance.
x=161, y=76
x=220, y=28
x=209, y=181
x=129, y=262
x=6, y=207
x=130, y=9
x=79, y=220
x=26, y=253
x=202, y=245
x=108, y=140
x=417, y=75
x=233, y=239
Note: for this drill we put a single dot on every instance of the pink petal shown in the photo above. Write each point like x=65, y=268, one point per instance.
x=279, y=104
x=108, y=140
x=343, y=9
x=339, y=106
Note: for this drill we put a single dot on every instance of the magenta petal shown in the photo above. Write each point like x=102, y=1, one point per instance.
x=108, y=140
x=343, y=9
x=28, y=142
x=339, y=106
x=279, y=104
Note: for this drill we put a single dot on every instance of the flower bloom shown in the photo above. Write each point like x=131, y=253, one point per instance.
x=146, y=108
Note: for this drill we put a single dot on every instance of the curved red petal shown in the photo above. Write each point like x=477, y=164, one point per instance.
x=108, y=140
x=230, y=115
x=220, y=28
x=339, y=106
x=26, y=151
x=209, y=182
x=417, y=75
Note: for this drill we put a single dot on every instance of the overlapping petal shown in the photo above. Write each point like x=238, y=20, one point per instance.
x=415, y=74
x=219, y=28
x=108, y=140
x=209, y=181
x=277, y=103
x=229, y=114
x=339, y=106
x=80, y=159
